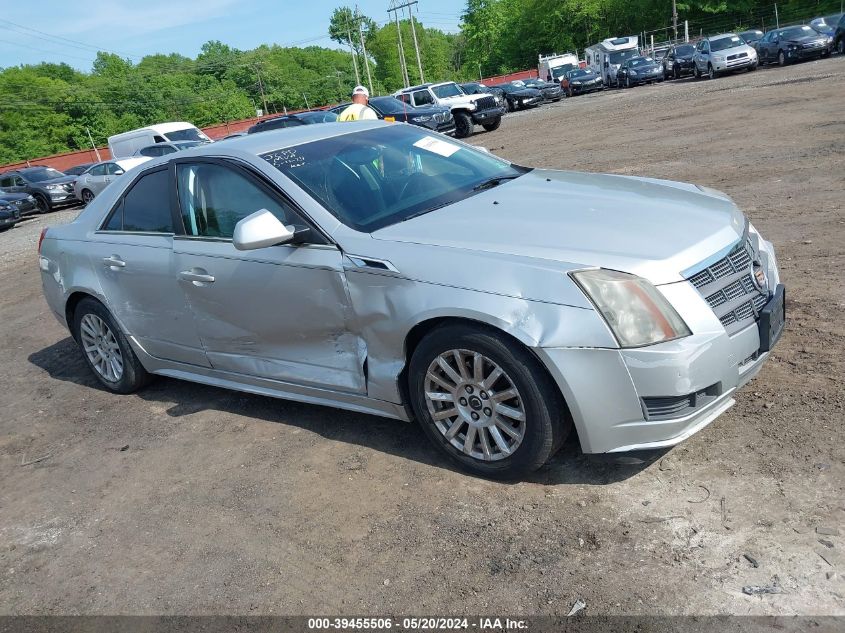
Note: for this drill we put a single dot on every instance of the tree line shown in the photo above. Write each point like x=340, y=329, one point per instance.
x=49, y=108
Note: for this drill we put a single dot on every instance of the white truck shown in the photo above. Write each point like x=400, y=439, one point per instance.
x=552, y=67
x=607, y=56
x=127, y=143
x=468, y=110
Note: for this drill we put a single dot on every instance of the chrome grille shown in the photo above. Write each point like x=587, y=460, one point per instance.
x=729, y=289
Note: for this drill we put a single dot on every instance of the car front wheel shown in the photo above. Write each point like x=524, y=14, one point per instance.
x=463, y=124
x=486, y=402
x=87, y=196
x=42, y=204
x=781, y=59
x=493, y=125
x=105, y=348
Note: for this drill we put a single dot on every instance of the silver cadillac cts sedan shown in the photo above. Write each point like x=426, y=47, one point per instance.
x=386, y=269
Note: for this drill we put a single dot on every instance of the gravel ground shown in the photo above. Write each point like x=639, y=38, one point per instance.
x=188, y=499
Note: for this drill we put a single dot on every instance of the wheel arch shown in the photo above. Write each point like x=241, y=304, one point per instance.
x=71, y=304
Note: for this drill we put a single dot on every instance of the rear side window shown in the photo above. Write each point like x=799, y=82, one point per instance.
x=145, y=207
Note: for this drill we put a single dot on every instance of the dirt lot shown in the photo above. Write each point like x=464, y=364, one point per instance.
x=189, y=499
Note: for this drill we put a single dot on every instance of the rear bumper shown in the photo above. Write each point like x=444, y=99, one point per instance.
x=610, y=392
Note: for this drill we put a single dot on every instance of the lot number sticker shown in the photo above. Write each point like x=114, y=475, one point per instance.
x=431, y=144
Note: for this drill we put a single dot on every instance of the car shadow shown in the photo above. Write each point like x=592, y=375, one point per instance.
x=63, y=361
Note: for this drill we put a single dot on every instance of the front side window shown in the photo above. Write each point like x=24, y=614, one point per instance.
x=379, y=177
x=152, y=151
x=422, y=97
x=113, y=169
x=213, y=198
x=98, y=170
x=145, y=208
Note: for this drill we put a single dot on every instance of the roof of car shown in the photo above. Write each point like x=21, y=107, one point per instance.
x=278, y=139
x=720, y=36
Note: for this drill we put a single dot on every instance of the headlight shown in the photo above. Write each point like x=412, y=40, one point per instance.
x=576, y=83
x=5, y=206
x=718, y=58
x=423, y=118
x=633, y=308
x=633, y=73
x=53, y=187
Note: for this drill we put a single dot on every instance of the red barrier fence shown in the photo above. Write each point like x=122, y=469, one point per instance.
x=214, y=132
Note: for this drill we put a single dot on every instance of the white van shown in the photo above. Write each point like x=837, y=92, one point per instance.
x=607, y=56
x=126, y=144
x=552, y=67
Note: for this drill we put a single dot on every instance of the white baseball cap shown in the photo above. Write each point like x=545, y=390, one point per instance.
x=361, y=90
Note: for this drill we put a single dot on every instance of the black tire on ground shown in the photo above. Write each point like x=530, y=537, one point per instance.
x=134, y=375
x=627, y=82
x=840, y=46
x=87, y=196
x=494, y=125
x=752, y=68
x=463, y=125
x=546, y=421
x=42, y=203
x=676, y=73
x=696, y=72
x=781, y=59
x=6, y=228
x=711, y=72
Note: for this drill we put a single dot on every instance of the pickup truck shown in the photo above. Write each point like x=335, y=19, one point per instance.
x=468, y=110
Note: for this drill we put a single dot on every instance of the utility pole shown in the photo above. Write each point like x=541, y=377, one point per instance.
x=352, y=50
x=261, y=88
x=777, y=20
x=364, y=50
x=96, y=151
x=394, y=6
x=675, y=18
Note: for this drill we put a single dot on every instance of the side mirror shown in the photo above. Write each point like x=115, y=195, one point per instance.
x=482, y=149
x=119, y=172
x=259, y=230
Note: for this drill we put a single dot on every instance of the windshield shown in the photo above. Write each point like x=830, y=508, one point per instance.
x=641, y=61
x=796, y=31
x=684, y=50
x=447, y=90
x=40, y=175
x=578, y=73
x=729, y=41
x=189, y=134
x=389, y=105
x=386, y=175
x=560, y=71
x=620, y=56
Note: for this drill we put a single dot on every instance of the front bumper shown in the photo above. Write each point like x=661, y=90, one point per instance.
x=734, y=64
x=483, y=116
x=9, y=218
x=808, y=53
x=654, y=76
x=585, y=88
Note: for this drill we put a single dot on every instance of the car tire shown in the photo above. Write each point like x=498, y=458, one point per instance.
x=711, y=72
x=627, y=82
x=676, y=73
x=490, y=127
x=105, y=348
x=87, y=196
x=532, y=440
x=463, y=125
x=840, y=46
x=3, y=229
x=752, y=68
x=42, y=203
x=781, y=59
x=696, y=72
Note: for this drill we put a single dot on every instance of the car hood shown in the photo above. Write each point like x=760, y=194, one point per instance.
x=807, y=39
x=646, y=68
x=587, y=77
x=652, y=228
x=55, y=181
x=525, y=92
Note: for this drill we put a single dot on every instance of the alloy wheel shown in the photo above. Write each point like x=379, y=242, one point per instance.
x=42, y=204
x=475, y=405
x=711, y=74
x=87, y=196
x=101, y=347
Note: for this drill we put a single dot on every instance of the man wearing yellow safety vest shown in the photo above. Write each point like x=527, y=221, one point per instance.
x=358, y=110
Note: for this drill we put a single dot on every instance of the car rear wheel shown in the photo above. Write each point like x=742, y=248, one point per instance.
x=493, y=125
x=463, y=125
x=486, y=402
x=105, y=348
x=42, y=204
x=87, y=196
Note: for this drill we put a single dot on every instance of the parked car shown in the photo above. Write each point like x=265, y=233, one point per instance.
x=339, y=264
x=581, y=81
x=749, y=37
x=24, y=203
x=99, y=175
x=677, y=61
x=77, y=169
x=160, y=149
x=792, y=44
x=9, y=215
x=550, y=91
x=519, y=98
x=293, y=120
x=468, y=110
x=388, y=108
x=839, y=36
x=50, y=187
x=827, y=25
x=125, y=144
x=639, y=70
x=723, y=53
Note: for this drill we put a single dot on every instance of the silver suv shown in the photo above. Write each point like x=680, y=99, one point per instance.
x=723, y=53
x=389, y=270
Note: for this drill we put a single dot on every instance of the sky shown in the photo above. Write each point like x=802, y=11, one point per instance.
x=71, y=32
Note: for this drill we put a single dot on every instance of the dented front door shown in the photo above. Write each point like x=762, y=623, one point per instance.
x=281, y=312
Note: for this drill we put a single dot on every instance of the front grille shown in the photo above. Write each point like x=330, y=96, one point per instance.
x=728, y=287
x=668, y=407
x=485, y=103
x=737, y=56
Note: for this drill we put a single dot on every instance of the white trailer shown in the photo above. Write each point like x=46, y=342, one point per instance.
x=607, y=56
x=551, y=67
x=125, y=144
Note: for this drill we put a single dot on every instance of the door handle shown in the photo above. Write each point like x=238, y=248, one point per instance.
x=196, y=276
x=114, y=262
